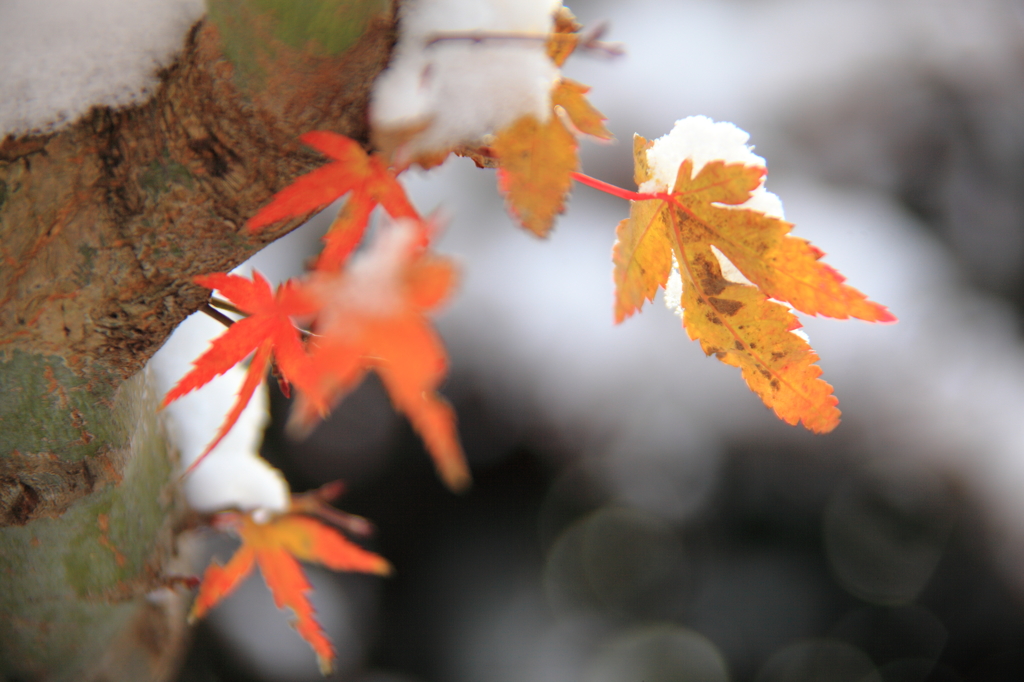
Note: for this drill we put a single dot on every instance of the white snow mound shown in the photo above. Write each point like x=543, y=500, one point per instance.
x=701, y=140
x=233, y=475
x=59, y=58
x=458, y=89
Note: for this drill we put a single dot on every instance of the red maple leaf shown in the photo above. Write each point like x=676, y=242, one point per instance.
x=268, y=330
x=274, y=547
x=366, y=177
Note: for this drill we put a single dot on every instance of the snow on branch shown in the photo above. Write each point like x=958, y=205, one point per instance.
x=455, y=91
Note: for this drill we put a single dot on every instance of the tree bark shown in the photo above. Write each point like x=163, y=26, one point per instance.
x=102, y=228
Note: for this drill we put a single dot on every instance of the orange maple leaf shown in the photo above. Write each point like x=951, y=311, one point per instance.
x=268, y=330
x=738, y=322
x=368, y=179
x=274, y=547
x=373, y=316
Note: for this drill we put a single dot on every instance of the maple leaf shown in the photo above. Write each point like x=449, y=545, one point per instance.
x=536, y=160
x=535, y=165
x=275, y=547
x=562, y=43
x=569, y=95
x=740, y=326
x=366, y=177
x=736, y=321
x=784, y=267
x=642, y=254
x=373, y=316
x=268, y=330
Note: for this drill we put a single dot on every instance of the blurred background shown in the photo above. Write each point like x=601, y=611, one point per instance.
x=637, y=514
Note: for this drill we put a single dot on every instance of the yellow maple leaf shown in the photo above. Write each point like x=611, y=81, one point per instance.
x=536, y=160
x=565, y=38
x=738, y=322
x=569, y=95
x=739, y=325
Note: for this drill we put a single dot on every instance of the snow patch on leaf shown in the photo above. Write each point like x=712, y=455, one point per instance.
x=701, y=140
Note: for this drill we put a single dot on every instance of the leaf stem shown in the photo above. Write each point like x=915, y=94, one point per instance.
x=615, y=191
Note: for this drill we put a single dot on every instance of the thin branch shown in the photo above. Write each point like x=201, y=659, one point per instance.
x=217, y=315
x=591, y=42
x=484, y=36
x=588, y=42
x=226, y=305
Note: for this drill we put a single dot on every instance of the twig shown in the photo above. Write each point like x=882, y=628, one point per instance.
x=217, y=315
x=588, y=42
x=225, y=305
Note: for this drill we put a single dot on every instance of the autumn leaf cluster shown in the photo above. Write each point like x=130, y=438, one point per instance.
x=736, y=273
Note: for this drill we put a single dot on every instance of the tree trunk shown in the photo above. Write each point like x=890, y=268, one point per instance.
x=102, y=228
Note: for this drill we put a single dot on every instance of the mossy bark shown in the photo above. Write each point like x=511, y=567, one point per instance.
x=72, y=579
x=102, y=228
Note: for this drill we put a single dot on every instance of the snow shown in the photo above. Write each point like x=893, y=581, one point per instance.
x=233, y=475
x=58, y=58
x=701, y=140
x=460, y=90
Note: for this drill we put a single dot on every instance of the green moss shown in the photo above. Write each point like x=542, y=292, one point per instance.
x=327, y=27
x=65, y=593
x=160, y=174
x=45, y=407
x=315, y=27
x=84, y=268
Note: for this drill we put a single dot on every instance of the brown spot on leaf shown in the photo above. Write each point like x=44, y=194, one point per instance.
x=710, y=275
x=725, y=306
